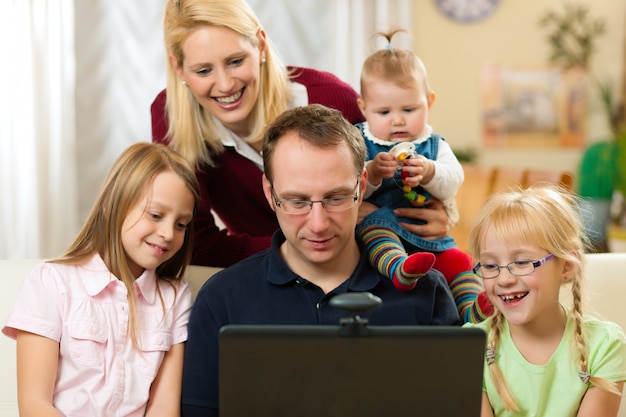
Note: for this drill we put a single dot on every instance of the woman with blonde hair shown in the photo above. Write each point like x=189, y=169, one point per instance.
x=542, y=358
x=225, y=84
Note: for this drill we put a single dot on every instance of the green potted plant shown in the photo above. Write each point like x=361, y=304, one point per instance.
x=573, y=35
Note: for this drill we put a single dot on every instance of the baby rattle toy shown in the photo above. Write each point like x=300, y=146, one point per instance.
x=402, y=152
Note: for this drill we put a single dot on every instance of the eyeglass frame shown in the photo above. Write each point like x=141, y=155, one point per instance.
x=535, y=264
x=310, y=203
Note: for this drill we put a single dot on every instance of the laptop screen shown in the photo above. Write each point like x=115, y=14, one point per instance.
x=319, y=371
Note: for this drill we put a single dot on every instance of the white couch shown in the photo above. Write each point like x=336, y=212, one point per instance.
x=606, y=286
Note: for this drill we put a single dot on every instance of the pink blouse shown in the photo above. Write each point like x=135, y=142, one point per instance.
x=85, y=309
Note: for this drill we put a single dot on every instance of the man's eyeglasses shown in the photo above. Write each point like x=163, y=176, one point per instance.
x=335, y=203
x=517, y=268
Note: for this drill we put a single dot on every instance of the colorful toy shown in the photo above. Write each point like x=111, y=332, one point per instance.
x=402, y=152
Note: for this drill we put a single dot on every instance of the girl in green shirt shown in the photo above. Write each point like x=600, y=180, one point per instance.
x=542, y=358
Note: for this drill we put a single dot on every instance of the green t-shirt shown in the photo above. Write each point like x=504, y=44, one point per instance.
x=555, y=389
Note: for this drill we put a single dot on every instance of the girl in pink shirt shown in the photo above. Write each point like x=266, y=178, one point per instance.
x=101, y=330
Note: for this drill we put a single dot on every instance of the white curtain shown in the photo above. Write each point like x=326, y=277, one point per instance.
x=120, y=68
x=332, y=35
x=78, y=78
x=38, y=211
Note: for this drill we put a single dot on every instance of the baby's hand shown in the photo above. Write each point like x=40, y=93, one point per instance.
x=418, y=170
x=382, y=166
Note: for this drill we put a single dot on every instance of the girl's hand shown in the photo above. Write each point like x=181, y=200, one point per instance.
x=418, y=170
x=382, y=166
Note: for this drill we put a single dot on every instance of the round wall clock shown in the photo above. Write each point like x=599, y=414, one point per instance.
x=467, y=11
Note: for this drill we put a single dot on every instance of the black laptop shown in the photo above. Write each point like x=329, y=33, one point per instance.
x=373, y=371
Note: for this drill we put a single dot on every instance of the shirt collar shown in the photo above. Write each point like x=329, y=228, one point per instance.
x=100, y=278
x=232, y=140
x=363, y=278
x=279, y=272
x=229, y=138
x=428, y=130
x=299, y=95
x=146, y=285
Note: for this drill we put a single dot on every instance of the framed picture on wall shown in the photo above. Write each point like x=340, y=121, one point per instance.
x=532, y=107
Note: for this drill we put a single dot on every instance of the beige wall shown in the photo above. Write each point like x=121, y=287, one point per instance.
x=453, y=54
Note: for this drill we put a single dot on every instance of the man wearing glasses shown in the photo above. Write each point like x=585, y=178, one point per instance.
x=314, y=180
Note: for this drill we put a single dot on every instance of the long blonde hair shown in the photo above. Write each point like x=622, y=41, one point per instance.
x=131, y=174
x=548, y=217
x=192, y=131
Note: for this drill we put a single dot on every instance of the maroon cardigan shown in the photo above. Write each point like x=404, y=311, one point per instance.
x=232, y=188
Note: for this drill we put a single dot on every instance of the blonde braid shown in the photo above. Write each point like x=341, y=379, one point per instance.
x=580, y=343
x=497, y=327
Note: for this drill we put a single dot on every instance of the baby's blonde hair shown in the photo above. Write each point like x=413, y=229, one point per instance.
x=548, y=216
x=400, y=66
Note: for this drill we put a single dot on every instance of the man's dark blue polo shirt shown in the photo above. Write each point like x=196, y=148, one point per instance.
x=262, y=290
